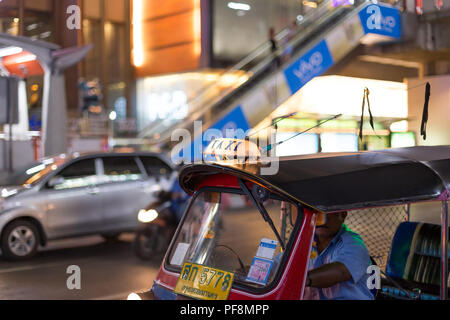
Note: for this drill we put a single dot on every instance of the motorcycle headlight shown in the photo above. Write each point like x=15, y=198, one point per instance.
x=134, y=296
x=147, y=216
x=141, y=296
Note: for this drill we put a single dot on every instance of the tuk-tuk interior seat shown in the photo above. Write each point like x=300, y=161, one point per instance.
x=414, y=262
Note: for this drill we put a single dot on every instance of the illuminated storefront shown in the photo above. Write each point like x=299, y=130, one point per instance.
x=165, y=100
x=327, y=96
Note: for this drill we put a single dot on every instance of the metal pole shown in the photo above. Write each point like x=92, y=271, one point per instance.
x=9, y=120
x=408, y=212
x=444, y=252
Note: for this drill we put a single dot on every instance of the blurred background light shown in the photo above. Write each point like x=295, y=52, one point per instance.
x=239, y=6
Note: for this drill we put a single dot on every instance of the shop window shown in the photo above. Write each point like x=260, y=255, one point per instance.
x=115, y=51
x=92, y=35
x=38, y=26
x=339, y=142
x=307, y=143
x=403, y=139
x=9, y=25
x=247, y=27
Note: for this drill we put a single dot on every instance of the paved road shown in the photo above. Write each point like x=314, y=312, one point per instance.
x=109, y=271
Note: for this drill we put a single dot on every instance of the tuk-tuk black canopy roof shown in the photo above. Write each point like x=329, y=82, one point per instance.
x=345, y=181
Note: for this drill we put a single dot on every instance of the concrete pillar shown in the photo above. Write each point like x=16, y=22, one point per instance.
x=54, y=117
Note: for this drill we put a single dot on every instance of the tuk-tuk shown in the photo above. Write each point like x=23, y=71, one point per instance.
x=247, y=236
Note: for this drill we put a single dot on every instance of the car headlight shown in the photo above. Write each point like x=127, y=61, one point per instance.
x=141, y=296
x=147, y=216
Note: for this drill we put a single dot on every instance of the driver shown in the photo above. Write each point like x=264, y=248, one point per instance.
x=338, y=264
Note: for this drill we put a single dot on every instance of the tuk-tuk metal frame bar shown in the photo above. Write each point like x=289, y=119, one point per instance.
x=444, y=252
x=408, y=212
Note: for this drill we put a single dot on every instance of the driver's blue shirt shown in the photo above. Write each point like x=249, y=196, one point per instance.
x=348, y=248
x=178, y=205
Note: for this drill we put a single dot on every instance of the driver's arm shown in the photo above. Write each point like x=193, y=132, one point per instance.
x=349, y=263
x=328, y=275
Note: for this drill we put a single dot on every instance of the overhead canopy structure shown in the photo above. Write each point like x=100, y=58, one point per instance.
x=345, y=181
x=53, y=61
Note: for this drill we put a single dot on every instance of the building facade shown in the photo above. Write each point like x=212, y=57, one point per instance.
x=103, y=23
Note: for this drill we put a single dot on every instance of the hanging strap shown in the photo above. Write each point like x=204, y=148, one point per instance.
x=423, y=128
x=366, y=97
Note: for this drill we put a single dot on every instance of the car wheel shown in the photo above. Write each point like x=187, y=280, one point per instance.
x=146, y=246
x=20, y=240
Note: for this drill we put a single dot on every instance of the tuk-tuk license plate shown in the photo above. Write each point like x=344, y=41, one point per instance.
x=205, y=283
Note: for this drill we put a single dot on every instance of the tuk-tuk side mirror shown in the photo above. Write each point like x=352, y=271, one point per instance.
x=260, y=193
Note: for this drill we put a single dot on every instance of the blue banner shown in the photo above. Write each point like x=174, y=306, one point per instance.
x=234, y=123
x=312, y=64
x=382, y=20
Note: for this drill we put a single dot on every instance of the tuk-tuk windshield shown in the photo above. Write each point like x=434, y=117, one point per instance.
x=224, y=230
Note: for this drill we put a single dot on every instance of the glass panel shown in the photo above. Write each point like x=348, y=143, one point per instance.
x=225, y=230
x=92, y=35
x=9, y=25
x=38, y=26
x=115, y=51
x=403, y=139
x=248, y=26
x=80, y=174
x=121, y=169
x=155, y=166
x=307, y=143
x=339, y=142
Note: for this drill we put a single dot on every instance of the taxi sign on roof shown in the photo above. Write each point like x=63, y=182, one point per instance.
x=232, y=150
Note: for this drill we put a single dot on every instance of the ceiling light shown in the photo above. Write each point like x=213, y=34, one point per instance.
x=239, y=6
x=310, y=4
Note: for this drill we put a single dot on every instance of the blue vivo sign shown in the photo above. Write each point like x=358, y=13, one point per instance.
x=382, y=20
x=312, y=64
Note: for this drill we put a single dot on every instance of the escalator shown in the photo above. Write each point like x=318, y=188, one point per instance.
x=324, y=37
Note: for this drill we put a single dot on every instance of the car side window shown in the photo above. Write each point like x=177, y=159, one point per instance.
x=77, y=175
x=156, y=167
x=121, y=169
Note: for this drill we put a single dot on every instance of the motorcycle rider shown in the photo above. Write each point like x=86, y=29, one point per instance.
x=179, y=201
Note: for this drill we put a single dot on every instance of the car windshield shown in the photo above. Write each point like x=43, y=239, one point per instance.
x=35, y=172
x=224, y=230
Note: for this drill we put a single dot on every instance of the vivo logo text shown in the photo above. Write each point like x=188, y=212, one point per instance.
x=309, y=67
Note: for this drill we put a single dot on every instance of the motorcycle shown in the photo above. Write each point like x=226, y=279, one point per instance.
x=158, y=225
